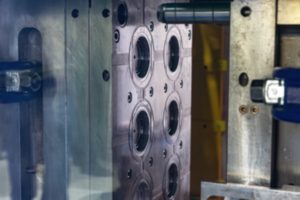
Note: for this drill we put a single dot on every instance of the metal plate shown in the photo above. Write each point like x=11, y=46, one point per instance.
x=154, y=89
x=252, y=42
x=288, y=12
x=237, y=191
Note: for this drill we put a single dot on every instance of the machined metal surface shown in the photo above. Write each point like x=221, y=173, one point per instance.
x=250, y=125
x=288, y=12
x=152, y=104
x=238, y=191
x=114, y=119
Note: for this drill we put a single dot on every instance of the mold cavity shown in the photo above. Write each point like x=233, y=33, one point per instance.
x=142, y=57
x=143, y=192
x=173, y=180
x=142, y=131
x=122, y=14
x=173, y=117
x=174, y=54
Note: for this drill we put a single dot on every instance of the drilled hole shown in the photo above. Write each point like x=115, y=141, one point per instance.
x=172, y=181
x=143, y=192
x=243, y=109
x=173, y=117
x=246, y=11
x=142, y=57
x=254, y=110
x=122, y=14
x=174, y=54
x=75, y=13
x=243, y=79
x=142, y=131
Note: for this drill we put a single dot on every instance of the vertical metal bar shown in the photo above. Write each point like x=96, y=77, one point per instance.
x=249, y=125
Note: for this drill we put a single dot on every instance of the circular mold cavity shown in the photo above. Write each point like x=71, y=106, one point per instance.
x=122, y=14
x=172, y=117
x=140, y=130
x=140, y=58
x=143, y=191
x=142, y=125
x=173, y=179
x=141, y=188
x=172, y=53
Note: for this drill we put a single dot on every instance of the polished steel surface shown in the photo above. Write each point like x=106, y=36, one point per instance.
x=288, y=12
x=150, y=146
x=238, y=191
x=252, y=40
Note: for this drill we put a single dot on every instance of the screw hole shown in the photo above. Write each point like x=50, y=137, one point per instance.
x=254, y=110
x=75, y=13
x=151, y=26
x=180, y=144
x=151, y=92
x=129, y=173
x=129, y=97
x=181, y=84
x=105, y=75
x=151, y=161
x=243, y=79
x=117, y=36
x=246, y=11
x=165, y=153
x=165, y=88
x=105, y=13
x=243, y=109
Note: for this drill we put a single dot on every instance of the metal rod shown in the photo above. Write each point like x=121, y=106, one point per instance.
x=217, y=12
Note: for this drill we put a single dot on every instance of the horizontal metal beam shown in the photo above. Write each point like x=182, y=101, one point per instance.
x=238, y=191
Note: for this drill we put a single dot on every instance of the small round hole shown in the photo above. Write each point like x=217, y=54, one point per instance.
x=246, y=11
x=172, y=180
x=243, y=79
x=142, y=131
x=129, y=173
x=173, y=117
x=165, y=153
x=143, y=192
x=142, y=61
x=151, y=161
x=105, y=13
x=254, y=110
x=151, y=92
x=165, y=88
x=243, y=109
x=75, y=13
x=122, y=14
x=129, y=97
x=174, y=54
x=105, y=75
x=117, y=36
